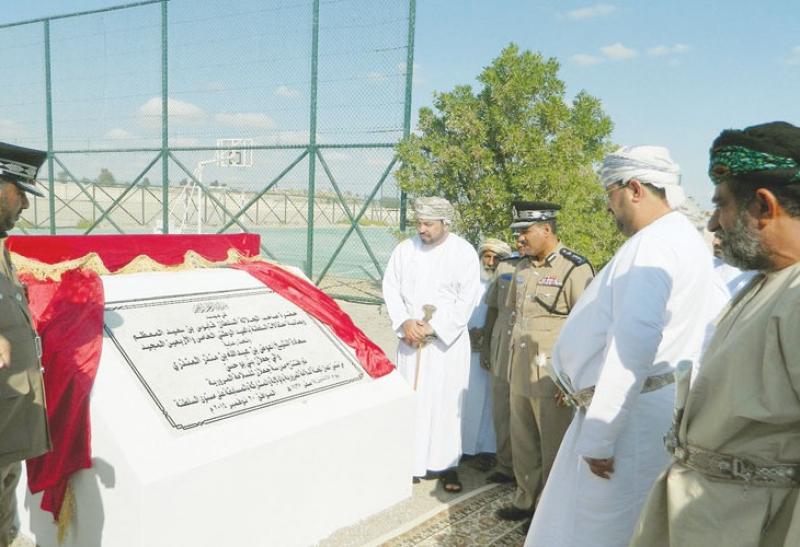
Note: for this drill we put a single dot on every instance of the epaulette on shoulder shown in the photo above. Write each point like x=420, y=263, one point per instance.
x=574, y=257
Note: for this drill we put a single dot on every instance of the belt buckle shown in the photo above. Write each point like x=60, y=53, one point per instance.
x=37, y=341
x=741, y=469
x=674, y=447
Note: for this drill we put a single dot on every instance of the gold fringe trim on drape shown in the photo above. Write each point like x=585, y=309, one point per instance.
x=142, y=263
x=67, y=512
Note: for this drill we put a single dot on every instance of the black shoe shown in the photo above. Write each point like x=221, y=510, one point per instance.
x=513, y=513
x=484, y=462
x=500, y=478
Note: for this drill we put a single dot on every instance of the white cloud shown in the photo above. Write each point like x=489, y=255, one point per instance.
x=583, y=59
x=590, y=12
x=11, y=129
x=184, y=142
x=418, y=77
x=119, y=134
x=376, y=76
x=286, y=91
x=658, y=51
x=287, y=137
x=794, y=56
x=215, y=86
x=401, y=67
x=661, y=50
x=618, y=52
x=180, y=113
x=244, y=119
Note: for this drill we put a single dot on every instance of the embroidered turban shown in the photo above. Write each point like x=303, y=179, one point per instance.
x=649, y=164
x=766, y=154
x=433, y=208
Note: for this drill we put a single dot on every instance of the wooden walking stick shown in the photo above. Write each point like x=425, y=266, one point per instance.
x=427, y=310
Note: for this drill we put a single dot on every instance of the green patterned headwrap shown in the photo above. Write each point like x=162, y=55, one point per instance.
x=738, y=160
x=762, y=154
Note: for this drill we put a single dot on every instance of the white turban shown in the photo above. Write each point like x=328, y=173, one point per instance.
x=649, y=164
x=433, y=208
x=498, y=247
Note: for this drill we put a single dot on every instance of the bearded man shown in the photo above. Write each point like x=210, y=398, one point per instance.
x=437, y=271
x=735, y=475
x=477, y=432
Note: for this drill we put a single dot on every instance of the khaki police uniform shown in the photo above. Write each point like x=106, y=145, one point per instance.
x=23, y=417
x=542, y=295
x=496, y=350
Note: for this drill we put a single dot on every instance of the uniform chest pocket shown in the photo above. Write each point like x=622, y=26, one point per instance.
x=544, y=297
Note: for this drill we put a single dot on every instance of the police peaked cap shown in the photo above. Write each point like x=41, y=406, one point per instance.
x=527, y=213
x=20, y=166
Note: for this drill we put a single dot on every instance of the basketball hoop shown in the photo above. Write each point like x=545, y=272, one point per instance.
x=234, y=153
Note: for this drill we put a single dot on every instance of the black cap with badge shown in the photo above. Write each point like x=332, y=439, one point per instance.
x=20, y=165
x=527, y=213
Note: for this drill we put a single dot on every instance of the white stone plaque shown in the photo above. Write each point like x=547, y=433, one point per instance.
x=204, y=357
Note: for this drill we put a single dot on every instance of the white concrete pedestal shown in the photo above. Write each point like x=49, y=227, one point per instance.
x=290, y=474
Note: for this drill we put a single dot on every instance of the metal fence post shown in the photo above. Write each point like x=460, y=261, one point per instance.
x=412, y=15
x=49, y=107
x=312, y=141
x=164, y=122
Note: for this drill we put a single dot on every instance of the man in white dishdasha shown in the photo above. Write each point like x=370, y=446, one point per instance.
x=650, y=308
x=440, y=271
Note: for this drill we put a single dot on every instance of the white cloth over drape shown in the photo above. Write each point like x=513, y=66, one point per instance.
x=447, y=276
x=477, y=429
x=651, y=307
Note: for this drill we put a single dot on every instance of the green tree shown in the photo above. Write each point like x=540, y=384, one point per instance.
x=105, y=177
x=516, y=138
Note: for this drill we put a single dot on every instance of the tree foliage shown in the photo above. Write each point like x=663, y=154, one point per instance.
x=515, y=138
x=105, y=177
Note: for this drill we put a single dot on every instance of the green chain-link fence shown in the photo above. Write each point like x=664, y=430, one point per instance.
x=278, y=117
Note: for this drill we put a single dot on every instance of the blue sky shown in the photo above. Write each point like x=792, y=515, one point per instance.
x=673, y=72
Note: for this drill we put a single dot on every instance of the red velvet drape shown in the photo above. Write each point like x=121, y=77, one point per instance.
x=69, y=318
x=324, y=308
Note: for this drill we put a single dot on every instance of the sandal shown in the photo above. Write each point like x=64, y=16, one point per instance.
x=450, y=482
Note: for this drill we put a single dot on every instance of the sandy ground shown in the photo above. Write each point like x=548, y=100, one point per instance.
x=374, y=321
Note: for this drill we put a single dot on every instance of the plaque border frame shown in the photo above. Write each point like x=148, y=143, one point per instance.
x=201, y=297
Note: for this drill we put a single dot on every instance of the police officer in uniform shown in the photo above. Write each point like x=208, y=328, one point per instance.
x=495, y=359
x=545, y=287
x=23, y=419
